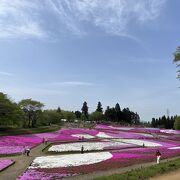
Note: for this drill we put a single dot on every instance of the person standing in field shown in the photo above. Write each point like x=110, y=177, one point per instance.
x=27, y=151
x=82, y=149
x=158, y=155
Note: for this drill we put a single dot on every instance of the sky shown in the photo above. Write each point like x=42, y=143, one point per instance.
x=65, y=52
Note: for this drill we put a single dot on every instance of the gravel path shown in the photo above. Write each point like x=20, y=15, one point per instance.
x=175, y=175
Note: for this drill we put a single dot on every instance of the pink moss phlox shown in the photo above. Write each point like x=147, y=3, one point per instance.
x=35, y=174
x=5, y=163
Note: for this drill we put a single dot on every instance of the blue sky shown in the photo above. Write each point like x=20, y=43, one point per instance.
x=65, y=52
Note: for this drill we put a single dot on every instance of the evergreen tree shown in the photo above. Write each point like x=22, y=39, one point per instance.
x=163, y=122
x=118, y=112
x=110, y=114
x=153, y=122
x=59, y=110
x=78, y=114
x=85, y=110
x=99, y=107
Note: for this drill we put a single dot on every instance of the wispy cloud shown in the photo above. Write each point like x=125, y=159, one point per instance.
x=5, y=73
x=19, y=18
x=71, y=83
x=31, y=91
x=24, y=18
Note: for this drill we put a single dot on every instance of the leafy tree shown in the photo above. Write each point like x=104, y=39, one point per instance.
x=10, y=113
x=70, y=116
x=32, y=110
x=177, y=123
x=99, y=107
x=96, y=116
x=51, y=117
x=85, y=110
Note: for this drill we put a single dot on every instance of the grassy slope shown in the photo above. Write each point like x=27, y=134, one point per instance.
x=19, y=131
x=145, y=173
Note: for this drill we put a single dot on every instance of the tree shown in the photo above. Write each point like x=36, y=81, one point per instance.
x=110, y=114
x=118, y=112
x=99, y=107
x=177, y=123
x=127, y=115
x=85, y=110
x=10, y=113
x=59, y=110
x=78, y=114
x=153, y=122
x=177, y=59
x=31, y=109
x=70, y=116
x=96, y=116
x=51, y=116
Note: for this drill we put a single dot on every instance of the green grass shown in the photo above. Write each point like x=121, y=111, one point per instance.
x=144, y=173
x=20, y=131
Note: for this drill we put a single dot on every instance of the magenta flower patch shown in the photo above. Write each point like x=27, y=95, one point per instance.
x=5, y=163
x=16, y=144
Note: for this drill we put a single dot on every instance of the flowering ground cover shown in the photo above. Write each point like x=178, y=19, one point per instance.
x=120, y=146
x=5, y=163
x=88, y=146
x=73, y=134
x=109, y=133
x=49, y=167
x=16, y=144
x=170, y=131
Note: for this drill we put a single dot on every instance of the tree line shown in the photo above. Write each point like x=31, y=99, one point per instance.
x=164, y=122
x=30, y=113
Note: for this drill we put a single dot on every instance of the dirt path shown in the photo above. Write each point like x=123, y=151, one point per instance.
x=21, y=163
x=175, y=175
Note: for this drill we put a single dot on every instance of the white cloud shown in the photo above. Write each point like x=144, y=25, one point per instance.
x=37, y=18
x=18, y=19
x=112, y=16
x=5, y=73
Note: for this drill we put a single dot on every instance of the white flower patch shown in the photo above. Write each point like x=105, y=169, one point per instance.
x=86, y=136
x=88, y=146
x=69, y=160
x=138, y=142
x=178, y=147
x=121, y=128
x=170, y=131
x=103, y=135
